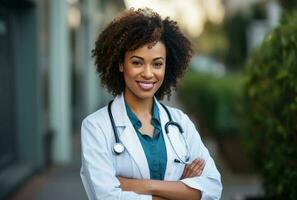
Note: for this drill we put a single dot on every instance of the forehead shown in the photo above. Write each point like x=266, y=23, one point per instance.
x=147, y=50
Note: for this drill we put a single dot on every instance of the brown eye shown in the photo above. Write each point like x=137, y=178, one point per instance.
x=158, y=64
x=135, y=62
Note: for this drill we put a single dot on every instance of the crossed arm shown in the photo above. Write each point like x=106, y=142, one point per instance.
x=166, y=190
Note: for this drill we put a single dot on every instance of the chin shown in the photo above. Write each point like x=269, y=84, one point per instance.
x=143, y=95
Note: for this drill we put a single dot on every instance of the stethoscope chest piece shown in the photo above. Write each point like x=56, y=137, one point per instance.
x=118, y=148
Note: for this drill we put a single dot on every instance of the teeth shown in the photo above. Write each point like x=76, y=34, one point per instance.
x=146, y=86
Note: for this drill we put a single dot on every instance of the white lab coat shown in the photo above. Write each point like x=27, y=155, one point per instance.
x=100, y=167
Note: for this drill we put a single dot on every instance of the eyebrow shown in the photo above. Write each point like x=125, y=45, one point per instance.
x=143, y=58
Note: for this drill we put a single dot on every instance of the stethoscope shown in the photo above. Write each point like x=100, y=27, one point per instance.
x=119, y=148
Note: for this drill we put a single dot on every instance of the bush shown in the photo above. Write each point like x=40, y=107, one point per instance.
x=270, y=102
x=213, y=100
x=235, y=27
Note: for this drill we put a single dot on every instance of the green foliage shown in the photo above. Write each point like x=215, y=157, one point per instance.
x=214, y=100
x=258, y=10
x=288, y=5
x=271, y=109
x=235, y=28
x=212, y=41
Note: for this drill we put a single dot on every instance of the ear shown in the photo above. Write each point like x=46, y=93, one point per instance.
x=121, y=68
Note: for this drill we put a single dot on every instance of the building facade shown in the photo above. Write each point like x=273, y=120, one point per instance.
x=48, y=81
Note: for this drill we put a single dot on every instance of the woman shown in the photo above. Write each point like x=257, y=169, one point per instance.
x=127, y=152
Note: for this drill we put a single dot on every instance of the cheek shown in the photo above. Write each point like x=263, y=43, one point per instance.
x=128, y=74
x=129, y=79
x=161, y=75
x=161, y=78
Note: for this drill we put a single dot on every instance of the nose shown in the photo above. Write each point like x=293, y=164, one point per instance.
x=147, y=72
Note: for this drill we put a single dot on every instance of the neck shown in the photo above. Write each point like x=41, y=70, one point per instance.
x=139, y=106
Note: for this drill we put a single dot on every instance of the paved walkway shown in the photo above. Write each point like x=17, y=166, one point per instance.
x=56, y=183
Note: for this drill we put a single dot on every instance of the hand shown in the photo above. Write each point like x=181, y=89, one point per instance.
x=193, y=169
x=139, y=186
x=125, y=183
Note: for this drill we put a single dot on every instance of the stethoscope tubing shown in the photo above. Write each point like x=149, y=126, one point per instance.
x=171, y=122
x=118, y=147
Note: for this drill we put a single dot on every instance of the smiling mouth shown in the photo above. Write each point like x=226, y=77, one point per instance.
x=145, y=85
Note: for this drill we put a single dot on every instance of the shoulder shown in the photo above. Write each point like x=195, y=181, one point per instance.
x=96, y=129
x=183, y=119
x=177, y=114
x=97, y=118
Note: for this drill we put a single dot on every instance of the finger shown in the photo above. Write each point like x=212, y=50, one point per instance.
x=185, y=172
x=191, y=168
x=194, y=169
x=200, y=164
x=200, y=169
x=188, y=171
x=183, y=175
x=197, y=168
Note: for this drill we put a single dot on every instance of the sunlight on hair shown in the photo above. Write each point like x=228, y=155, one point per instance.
x=191, y=15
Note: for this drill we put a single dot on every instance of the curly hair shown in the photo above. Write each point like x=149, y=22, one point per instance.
x=131, y=30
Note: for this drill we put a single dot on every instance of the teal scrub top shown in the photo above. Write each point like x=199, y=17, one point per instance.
x=154, y=147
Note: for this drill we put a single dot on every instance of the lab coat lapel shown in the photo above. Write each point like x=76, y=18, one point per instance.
x=133, y=146
x=170, y=153
x=129, y=137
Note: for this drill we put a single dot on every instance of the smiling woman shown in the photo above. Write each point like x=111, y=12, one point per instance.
x=144, y=70
x=129, y=151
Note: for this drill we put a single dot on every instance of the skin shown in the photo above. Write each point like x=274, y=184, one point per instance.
x=144, y=65
x=173, y=190
x=144, y=70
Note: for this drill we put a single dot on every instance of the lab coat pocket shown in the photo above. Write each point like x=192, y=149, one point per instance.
x=125, y=166
x=177, y=168
x=179, y=152
x=177, y=171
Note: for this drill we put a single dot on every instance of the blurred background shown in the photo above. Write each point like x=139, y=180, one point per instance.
x=240, y=90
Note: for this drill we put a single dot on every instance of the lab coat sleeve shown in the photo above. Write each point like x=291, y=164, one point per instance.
x=97, y=171
x=209, y=183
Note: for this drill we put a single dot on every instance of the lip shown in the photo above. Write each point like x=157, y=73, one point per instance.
x=145, y=85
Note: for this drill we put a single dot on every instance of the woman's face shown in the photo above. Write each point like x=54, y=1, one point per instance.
x=143, y=70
